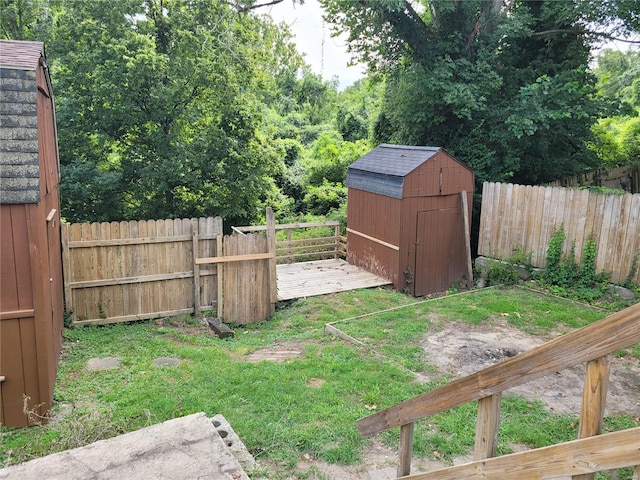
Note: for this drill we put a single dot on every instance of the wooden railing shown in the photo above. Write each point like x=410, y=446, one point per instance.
x=593, y=344
x=291, y=250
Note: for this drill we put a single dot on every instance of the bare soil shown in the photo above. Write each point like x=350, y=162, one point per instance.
x=459, y=349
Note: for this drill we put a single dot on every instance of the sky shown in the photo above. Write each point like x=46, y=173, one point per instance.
x=327, y=55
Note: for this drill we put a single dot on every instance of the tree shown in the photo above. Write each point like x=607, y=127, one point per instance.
x=503, y=86
x=24, y=19
x=617, y=136
x=160, y=108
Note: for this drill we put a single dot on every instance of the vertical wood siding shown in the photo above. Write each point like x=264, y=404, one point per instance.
x=123, y=271
x=247, y=295
x=379, y=217
x=526, y=216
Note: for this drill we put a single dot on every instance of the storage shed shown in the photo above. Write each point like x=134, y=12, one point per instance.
x=405, y=217
x=31, y=303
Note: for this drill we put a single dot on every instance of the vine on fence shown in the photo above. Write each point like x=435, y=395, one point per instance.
x=563, y=271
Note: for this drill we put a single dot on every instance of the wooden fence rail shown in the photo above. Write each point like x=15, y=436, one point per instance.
x=624, y=178
x=592, y=344
x=526, y=216
x=289, y=250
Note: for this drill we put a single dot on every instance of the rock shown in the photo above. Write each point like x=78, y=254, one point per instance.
x=624, y=293
x=106, y=363
x=166, y=362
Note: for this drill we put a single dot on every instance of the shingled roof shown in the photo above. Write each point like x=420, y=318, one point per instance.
x=383, y=169
x=19, y=167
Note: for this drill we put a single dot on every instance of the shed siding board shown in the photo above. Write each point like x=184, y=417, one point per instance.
x=30, y=245
x=379, y=217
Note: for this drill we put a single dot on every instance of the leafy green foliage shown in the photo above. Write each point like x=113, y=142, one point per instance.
x=502, y=273
x=504, y=87
x=582, y=281
x=617, y=135
x=553, y=271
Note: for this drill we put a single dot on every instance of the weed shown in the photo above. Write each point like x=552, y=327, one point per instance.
x=633, y=270
x=564, y=277
x=553, y=272
x=501, y=273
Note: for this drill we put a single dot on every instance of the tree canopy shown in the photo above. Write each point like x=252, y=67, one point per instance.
x=503, y=86
x=181, y=108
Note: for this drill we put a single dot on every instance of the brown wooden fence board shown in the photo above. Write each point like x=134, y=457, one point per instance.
x=527, y=216
x=246, y=283
x=122, y=271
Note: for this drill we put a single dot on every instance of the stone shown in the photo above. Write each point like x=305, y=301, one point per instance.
x=186, y=447
x=624, y=293
x=166, y=362
x=106, y=363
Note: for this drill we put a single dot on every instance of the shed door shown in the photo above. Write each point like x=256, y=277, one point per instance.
x=439, y=250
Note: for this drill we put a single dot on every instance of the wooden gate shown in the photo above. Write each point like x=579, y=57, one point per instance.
x=249, y=283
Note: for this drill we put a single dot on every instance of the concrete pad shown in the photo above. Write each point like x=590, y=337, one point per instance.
x=106, y=363
x=166, y=362
x=183, y=448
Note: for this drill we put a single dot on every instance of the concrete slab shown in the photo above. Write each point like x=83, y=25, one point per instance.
x=166, y=362
x=106, y=363
x=179, y=449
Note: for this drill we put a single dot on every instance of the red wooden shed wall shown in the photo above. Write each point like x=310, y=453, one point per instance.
x=434, y=185
x=31, y=306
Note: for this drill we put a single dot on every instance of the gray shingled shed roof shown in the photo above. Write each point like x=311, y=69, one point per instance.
x=19, y=168
x=383, y=169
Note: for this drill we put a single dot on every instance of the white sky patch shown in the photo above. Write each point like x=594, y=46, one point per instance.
x=327, y=55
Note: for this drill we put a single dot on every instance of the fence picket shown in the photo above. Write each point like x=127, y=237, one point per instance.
x=526, y=216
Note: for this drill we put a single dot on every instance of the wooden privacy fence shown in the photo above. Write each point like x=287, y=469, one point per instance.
x=249, y=283
x=526, y=216
x=123, y=271
x=624, y=178
x=593, y=344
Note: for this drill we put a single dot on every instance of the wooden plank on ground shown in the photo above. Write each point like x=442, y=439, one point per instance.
x=307, y=279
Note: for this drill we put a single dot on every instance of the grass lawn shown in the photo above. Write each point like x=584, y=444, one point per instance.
x=306, y=405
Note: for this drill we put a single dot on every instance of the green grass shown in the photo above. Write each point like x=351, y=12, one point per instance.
x=306, y=405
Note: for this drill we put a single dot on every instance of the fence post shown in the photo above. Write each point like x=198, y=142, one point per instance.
x=66, y=268
x=337, y=235
x=594, y=397
x=487, y=427
x=219, y=270
x=467, y=237
x=406, y=449
x=196, y=269
x=271, y=248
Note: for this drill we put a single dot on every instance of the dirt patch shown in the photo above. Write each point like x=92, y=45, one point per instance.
x=460, y=349
x=316, y=382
